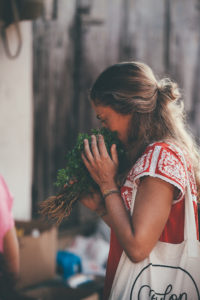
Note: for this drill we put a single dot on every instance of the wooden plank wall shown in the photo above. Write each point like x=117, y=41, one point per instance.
x=86, y=37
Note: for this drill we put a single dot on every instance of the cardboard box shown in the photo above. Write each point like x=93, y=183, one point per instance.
x=38, y=247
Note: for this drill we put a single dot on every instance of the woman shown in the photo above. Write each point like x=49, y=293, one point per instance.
x=9, y=248
x=8, y=239
x=144, y=112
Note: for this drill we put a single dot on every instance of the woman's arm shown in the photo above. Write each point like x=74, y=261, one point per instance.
x=140, y=233
x=137, y=234
x=11, y=251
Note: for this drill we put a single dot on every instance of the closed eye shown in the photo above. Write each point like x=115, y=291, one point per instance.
x=100, y=119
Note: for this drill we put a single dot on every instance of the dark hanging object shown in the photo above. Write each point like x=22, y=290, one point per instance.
x=14, y=11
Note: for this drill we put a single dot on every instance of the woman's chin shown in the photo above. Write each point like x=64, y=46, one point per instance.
x=123, y=140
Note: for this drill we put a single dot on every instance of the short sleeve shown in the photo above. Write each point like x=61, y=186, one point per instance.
x=6, y=217
x=163, y=161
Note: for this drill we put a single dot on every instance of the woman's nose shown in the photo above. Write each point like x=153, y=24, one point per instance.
x=104, y=126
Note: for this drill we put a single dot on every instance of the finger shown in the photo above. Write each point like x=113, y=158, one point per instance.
x=94, y=147
x=114, y=154
x=88, y=153
x=85, y=161
x=102, y=147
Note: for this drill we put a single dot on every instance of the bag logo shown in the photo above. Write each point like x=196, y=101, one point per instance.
x=169, y=284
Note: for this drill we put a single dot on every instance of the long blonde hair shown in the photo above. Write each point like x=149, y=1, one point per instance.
x=132, y=88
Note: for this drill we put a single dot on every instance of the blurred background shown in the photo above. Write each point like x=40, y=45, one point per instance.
x=61, y=46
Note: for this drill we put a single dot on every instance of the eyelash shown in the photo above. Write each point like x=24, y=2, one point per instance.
x=101, y=120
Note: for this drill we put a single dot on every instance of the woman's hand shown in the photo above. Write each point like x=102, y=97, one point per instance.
x=11, y=251
x=93, y=201
x=101, y=166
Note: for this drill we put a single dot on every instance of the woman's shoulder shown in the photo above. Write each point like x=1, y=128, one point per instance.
x=158, y=148
x=168, y=161
x=160, y=158
x=166, y=149
x=165, y=145
x=5, y=194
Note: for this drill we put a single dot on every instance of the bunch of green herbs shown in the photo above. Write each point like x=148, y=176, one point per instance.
x=74, y=181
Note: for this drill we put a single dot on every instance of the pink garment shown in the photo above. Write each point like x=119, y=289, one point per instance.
x=6, y=217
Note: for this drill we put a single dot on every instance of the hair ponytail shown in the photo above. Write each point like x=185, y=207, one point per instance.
x=168, y=90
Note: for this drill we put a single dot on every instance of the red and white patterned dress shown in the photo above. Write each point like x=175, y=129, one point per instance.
x=165, y=161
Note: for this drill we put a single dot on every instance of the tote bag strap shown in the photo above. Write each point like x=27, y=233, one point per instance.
x=190, y=231
x=133, y=198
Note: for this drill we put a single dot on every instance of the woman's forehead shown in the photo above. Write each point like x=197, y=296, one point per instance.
x=100, y=109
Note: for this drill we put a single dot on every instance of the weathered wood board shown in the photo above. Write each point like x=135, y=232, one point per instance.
x=86, y=37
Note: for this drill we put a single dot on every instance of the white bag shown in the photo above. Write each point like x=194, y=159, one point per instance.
x=171, y=272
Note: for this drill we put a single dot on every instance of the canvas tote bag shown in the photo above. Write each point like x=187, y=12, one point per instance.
x=171, y=272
